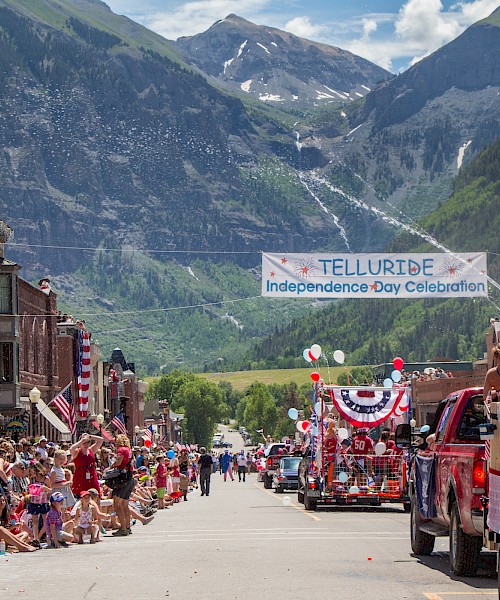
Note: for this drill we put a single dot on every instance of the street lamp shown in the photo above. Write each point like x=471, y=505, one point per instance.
x=100, y=421
x=136, y=431
x=413, y=424
x=34, y=396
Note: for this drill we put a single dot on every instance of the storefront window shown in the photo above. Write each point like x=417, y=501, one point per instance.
x=5, y=294
x=6, y=362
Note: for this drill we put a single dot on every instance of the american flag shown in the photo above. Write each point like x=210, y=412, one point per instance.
x=64, y=404
x=149, y=434
x=119, y=422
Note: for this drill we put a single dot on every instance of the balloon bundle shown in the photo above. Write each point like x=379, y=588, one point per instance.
x=396, y=375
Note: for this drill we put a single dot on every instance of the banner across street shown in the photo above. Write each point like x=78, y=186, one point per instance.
x=328, y=275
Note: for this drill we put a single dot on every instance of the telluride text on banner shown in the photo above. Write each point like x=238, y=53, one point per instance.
x=424, y=275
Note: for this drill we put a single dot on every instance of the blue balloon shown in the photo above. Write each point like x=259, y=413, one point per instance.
x=388, y=383
x=170, y=454
x=396, y=376
x=293, y=413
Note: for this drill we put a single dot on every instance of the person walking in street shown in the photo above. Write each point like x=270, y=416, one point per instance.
x=205, y=465
x=241, y=461
x=226, y=465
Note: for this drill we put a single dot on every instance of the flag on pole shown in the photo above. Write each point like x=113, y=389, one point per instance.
x=148, y=436
x=64, y=404
x=118, y=421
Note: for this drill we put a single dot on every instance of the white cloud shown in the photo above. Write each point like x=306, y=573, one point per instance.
x=475, y=11
x=423, y=22
x=303, y=27
x=197, y=16
x=369, y=26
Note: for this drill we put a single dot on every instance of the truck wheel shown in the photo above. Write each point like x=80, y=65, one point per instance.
x=407, y=507
x=309, y=503
x=268, y=482
x=278, y=489
x=464, y=549
x=300, y=496
x=421, y=543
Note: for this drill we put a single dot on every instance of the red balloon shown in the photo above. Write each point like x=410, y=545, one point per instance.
x=313, y=358
x=305, y=425
x=398, y=363
x=315, y=376
x=147, y=443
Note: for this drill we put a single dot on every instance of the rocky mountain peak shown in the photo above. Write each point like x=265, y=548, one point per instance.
x=278, y=67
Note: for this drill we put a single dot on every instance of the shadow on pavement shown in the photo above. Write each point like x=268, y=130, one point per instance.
x=440, y=561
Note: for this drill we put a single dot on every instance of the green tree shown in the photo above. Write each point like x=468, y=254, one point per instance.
x=357, y=376
x=166, y=388
x=203, y=407
x=261, y=411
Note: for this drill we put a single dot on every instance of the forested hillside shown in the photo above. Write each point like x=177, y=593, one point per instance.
x=373, y=331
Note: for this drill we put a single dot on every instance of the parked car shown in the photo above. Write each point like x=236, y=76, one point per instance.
x=287, y=475
x=272, y=455
x=226, y=444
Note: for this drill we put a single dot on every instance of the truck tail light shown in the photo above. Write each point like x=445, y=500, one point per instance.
x=312, y=485
x=269, y=462
x=479, y=477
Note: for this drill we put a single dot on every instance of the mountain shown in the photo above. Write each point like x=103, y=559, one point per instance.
x=278, y=67
x=147, y=191
x=374, y=331
x=410, y=136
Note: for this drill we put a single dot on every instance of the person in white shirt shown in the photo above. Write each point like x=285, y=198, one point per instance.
x=241, y=461
x=42, y=447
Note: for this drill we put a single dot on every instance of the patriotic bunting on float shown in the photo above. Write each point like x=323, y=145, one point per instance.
x=366, y=407
x=84, y=372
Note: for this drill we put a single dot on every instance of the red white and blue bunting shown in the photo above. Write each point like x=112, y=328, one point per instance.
x=366, y=407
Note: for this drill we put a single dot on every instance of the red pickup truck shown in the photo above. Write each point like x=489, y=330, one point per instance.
x=448, y=479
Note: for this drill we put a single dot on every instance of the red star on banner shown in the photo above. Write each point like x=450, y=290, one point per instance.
x=452, y=270
x=469, y=260
x=373, y=287
x=413, y=270
x=304, y=271
x=482, y=272
x=272, y=274
x=284, y=261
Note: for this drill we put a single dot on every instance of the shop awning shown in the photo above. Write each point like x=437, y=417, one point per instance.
x=53, y=419
x=105, y=434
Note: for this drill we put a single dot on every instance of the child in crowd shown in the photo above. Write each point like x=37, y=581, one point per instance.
x=38, y=505
x=184, y=486
x=58, y=481
x=176, y=474
x=161, y=481
x=54, y=523
x=86, y=518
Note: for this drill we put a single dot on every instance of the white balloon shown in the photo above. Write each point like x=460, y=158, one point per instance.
x=306, y=356
x=343, y=477
x=354, y=489
x=316, y=351
x=396, y=376
x=317, y=409
x=388, y=383
x=380, y=448
x=342, y=433
x=339, y=357
x=298, y=425
x=287, y=501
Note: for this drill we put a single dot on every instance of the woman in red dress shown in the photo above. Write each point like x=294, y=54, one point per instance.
x=83, y=455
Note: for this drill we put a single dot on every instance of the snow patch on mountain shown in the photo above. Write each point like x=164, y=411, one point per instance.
x=241, y=48
x=271, y=98
x=245, y=86
x=227, y=64
x=262, y=46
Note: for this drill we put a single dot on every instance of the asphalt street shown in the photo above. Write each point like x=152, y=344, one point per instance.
x=243, y=543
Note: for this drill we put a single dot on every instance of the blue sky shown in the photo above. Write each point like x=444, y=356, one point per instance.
x=391, y=33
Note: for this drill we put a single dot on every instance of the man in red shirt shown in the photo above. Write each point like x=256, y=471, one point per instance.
x=361, y=447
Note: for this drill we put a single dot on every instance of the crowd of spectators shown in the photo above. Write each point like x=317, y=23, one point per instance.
x=56, y=494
